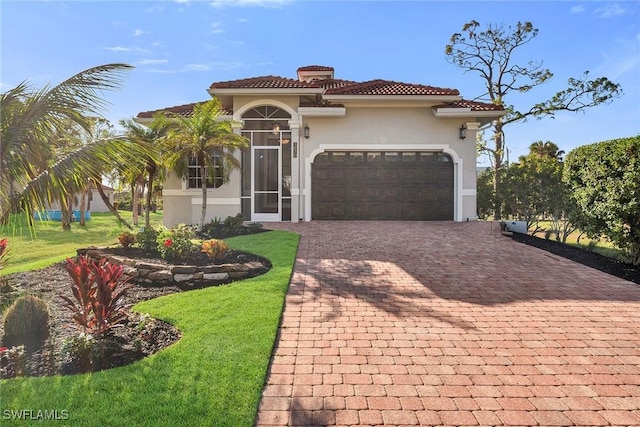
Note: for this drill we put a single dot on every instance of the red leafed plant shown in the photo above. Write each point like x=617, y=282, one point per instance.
x=98, y=292
x=3, y=252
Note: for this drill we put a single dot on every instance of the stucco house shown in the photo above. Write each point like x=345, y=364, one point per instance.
x=323, y=148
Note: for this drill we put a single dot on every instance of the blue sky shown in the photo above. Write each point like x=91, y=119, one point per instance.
x=180, y=47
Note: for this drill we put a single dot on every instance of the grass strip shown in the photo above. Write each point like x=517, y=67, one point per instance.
x=213, y=376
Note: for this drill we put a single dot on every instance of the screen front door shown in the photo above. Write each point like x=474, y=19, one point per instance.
x=267, y=203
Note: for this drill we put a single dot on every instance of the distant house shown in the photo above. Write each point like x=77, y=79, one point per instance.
x=322, y=148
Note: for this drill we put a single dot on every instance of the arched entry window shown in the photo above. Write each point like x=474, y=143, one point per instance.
x=266, y=164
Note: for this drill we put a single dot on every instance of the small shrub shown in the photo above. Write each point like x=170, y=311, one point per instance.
x=77, y=354
x=98, y=292
x=12, y=361
x=254, y=227
x=175, y=244
x=126, y=239
x=231, y=226
x=26, y=322
x=214, y=248
x=591, y=245
x=147, y=238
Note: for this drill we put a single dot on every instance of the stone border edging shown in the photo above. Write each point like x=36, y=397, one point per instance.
x=147, y=273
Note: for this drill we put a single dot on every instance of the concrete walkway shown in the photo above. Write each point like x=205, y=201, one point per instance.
x=414, y=323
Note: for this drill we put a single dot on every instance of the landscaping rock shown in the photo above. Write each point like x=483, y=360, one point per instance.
x=164, y=275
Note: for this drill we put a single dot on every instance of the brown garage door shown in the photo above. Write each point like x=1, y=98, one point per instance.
x=415, y=186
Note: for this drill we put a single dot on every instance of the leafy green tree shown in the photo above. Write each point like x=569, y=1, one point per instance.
x=604, y=181
x=145, y=169
x=29, y=120
x=546, y=149
x=536, y=190
x=205, y=138
x=485, y=193
x=491, y=52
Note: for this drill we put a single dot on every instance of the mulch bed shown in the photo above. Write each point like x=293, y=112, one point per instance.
x=134, y=340
x=591, y=259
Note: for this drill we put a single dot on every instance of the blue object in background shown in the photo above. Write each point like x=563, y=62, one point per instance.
x=53, y=215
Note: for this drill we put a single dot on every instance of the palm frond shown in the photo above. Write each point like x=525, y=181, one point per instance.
x=70, y=174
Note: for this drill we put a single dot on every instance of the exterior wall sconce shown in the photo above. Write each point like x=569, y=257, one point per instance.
x=463, y=132
x=306, y=131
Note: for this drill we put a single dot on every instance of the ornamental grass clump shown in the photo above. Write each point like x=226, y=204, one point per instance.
x=26, y=322
x=214, y=248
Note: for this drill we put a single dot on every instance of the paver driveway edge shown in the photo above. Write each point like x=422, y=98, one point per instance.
x=401, y=323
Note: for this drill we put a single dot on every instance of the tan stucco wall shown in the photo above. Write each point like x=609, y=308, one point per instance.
x=372, y=127
x=184, y=206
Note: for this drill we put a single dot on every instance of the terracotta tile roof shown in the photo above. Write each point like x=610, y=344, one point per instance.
x=315, y=68
x=474, y=105
x=262, y=82
x=331, y=83
x=184, y=110
x=387, y=87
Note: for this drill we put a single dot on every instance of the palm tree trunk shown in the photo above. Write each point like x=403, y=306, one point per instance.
x=65, y=214
x=204, y=195
x=83, y=202
x=135, y=202
x=147, y=220
x=111, y=208
x=498, y=155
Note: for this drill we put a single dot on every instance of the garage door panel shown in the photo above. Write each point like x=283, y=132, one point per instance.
x=379, y=186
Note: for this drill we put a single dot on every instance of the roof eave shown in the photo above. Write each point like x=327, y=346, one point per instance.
x=404, y=98
x=466, y=112
x=265, y=91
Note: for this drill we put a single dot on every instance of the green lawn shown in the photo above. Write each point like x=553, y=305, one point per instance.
x=213, y=376
x=600, y=246
x=47, y=244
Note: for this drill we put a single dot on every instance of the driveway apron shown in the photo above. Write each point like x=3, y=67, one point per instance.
x=443, y=323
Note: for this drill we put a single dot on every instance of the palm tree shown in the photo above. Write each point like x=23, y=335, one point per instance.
x=546, y=149
x=30, y=118
x=203, y=139
x=149, y=166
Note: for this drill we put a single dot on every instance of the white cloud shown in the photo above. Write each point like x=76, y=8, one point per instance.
x=216, y=28
x=126, y=49
x=243, y=20
x=152, y=61
x=622, y=58
x=138, y=32
x=197, y=67
x=261, y=3
x=577, y=9
x=118, y=49
x=609, y=10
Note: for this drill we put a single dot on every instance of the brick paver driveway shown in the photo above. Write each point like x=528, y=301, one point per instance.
x=399, y=323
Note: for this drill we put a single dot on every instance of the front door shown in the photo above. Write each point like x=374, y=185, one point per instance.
x=266, y=203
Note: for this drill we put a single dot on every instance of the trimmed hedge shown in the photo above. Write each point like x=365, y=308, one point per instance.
x=604, y=181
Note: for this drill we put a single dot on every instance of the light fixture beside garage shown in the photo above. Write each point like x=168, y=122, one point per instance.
x=306, y=131
x=463, y=131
